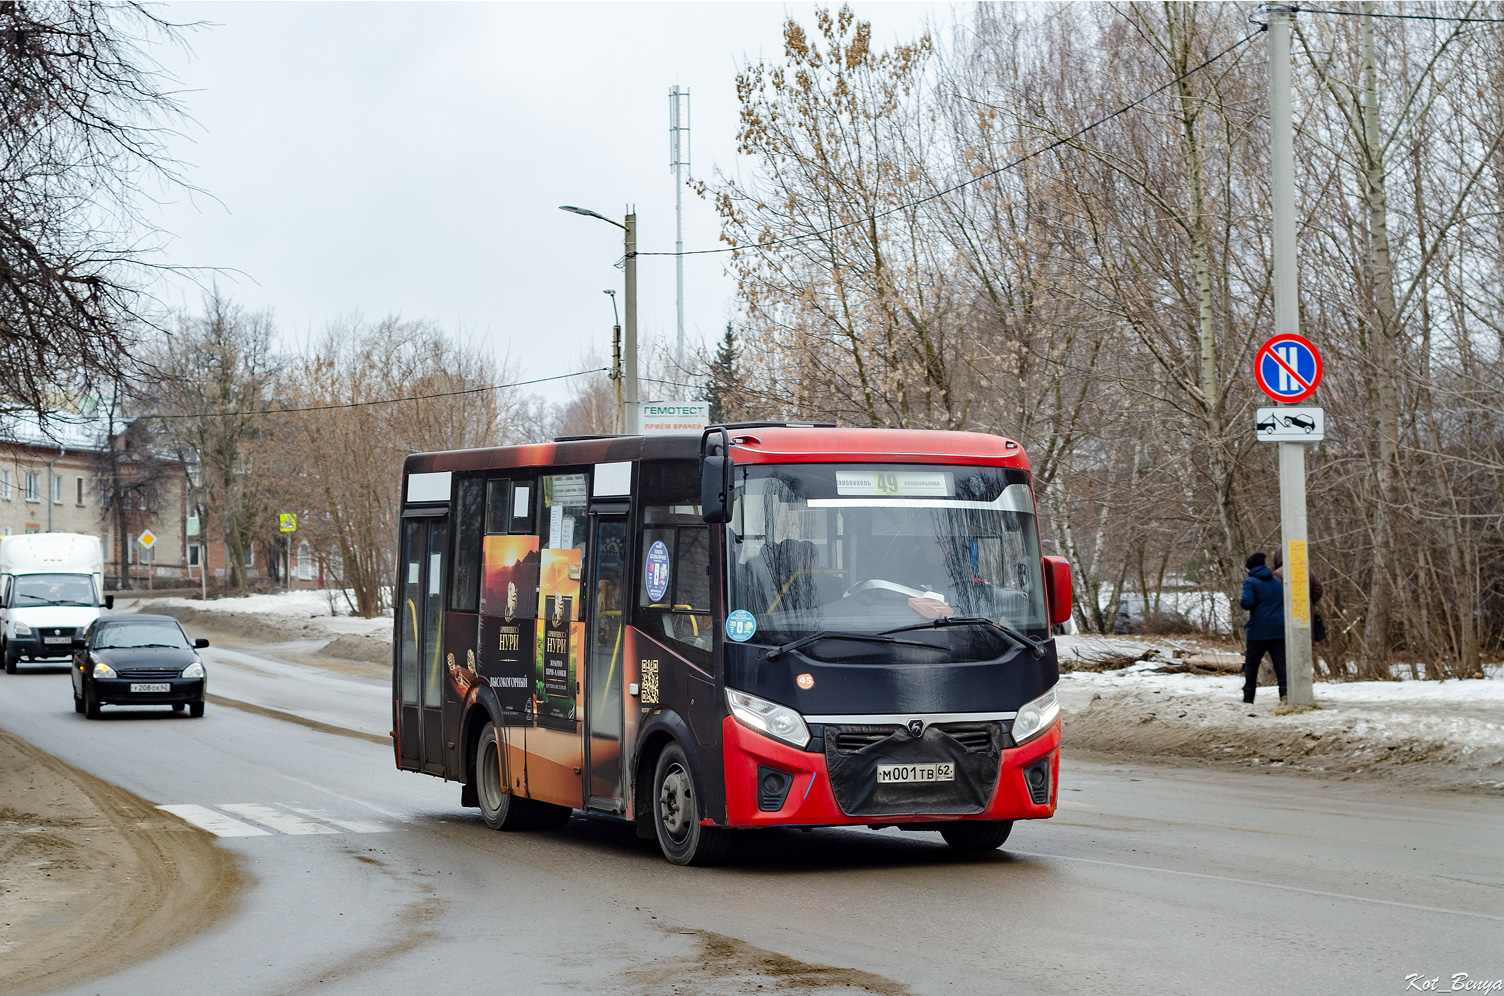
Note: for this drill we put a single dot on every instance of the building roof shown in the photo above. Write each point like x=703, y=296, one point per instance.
x=61, y=430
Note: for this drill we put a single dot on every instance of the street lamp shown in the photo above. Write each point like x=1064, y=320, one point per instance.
x=629, y=305
x=619, y=413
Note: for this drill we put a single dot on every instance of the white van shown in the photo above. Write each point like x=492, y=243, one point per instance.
x=51, y=589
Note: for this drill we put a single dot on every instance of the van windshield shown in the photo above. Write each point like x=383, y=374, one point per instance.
x=864, y=549
x=53, y=589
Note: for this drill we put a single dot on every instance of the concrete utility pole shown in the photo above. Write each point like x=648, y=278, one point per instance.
x=630, y=268
x=1292, y=456
x=678, y=135
x=629, y=349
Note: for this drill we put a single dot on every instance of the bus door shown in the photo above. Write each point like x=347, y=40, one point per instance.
x=605, y=674
x=420, y=677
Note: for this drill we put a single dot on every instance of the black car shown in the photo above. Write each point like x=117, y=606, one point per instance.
x=137, y=660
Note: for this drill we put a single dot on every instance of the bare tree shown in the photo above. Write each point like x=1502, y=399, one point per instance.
x=84, y=114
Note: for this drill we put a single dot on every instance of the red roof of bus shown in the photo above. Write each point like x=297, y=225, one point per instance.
x=800, y=445
x=763, y=444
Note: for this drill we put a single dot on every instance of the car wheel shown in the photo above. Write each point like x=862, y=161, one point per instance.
x=91, y=702
x=78, y=704
x=12, y=656
x=498, y=807
x=196, y=709
x=977, y=835
x=677, y=813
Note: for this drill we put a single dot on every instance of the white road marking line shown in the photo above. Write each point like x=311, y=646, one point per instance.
x=275, y=818
x=218, y=824
x=354, y=826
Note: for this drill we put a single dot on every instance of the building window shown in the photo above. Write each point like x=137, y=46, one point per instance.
x=305, y=562
x=5, y=531
x=193, y=555
x=33, y=487
x=80, y=492
x=5, y=484
x=57, y=490
x=250, y=556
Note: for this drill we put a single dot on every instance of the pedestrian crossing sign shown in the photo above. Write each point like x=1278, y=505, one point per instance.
x=289, y=522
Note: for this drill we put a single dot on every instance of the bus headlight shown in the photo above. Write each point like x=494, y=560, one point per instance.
x=22, y=629
x=768, y=717
x=1035, y=717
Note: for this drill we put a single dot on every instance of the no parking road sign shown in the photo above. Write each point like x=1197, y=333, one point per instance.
x=1288, y=368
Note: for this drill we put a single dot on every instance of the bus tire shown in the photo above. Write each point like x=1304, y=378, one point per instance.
x=677, y=813
x=977, y=835
x=12, y=657
x=499, y=808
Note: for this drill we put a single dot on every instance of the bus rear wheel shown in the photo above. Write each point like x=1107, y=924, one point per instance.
x=499, y=808
x=677, y=814
x=977, y=835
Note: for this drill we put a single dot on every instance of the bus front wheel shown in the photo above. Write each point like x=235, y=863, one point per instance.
x=978, y=835
x=677, y=813
x=499, y=808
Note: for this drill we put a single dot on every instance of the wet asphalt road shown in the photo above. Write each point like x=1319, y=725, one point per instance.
x=1149, y=880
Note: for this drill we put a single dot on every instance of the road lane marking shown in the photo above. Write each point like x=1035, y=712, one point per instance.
x=218, y=824
x=1262, y=885
x=276, y=819
x=354, y=826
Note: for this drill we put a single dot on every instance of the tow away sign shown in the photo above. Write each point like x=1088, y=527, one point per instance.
x=1290, y=425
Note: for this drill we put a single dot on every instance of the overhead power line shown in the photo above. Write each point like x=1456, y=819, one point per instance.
x=1403, y=17
x=776, y=243
x=388, y=401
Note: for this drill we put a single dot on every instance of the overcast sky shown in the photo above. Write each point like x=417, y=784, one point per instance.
x=410, y=158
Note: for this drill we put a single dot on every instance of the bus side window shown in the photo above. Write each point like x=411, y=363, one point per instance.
x=498, y=501
x=681, y=613
x=464, y=593
x=522, y=507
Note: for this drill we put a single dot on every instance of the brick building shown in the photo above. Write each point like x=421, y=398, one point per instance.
x=59, y=477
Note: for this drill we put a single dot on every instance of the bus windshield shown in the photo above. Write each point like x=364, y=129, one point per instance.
x=850, y=548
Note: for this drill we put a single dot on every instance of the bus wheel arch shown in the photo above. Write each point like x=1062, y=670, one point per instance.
x=471, y=728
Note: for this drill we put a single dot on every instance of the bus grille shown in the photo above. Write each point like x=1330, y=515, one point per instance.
x=975, y=737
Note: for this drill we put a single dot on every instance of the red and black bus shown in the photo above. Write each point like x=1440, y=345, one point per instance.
x=764, y=625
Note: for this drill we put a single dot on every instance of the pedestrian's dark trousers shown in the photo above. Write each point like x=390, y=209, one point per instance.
x=1254, y=656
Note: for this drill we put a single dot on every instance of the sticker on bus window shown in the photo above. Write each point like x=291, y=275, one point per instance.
x=655, y=571
x=896, y=483
x=740, y=625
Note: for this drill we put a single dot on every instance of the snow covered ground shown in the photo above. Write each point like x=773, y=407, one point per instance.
x=328, y=607
x=1447, y=733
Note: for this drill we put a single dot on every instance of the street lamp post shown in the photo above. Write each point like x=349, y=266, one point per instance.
x=619, y=421
x=629, y=305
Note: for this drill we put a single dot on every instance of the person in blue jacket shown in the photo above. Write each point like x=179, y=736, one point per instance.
x=1264, y=598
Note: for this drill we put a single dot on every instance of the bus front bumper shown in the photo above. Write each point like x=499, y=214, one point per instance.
x=810, y=801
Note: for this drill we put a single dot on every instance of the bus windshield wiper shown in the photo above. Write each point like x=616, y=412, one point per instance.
x=832, y=634
x=1026, y=642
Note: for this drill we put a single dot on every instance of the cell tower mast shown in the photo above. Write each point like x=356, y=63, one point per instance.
x=678, y=155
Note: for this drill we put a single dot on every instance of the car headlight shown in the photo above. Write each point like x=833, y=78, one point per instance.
x=768, y=717
x=22, y=629
x=103, y=670
x=1035, y=717
x=194, y=670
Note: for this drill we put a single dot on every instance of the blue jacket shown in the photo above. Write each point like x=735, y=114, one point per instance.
x=1264, y=597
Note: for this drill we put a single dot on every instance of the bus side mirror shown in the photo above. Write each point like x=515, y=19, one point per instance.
x=109, y=601
x=713, y=473
x=1057, y=584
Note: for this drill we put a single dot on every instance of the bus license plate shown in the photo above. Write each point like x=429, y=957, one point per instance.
x=912, y=773
x=150, y=686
